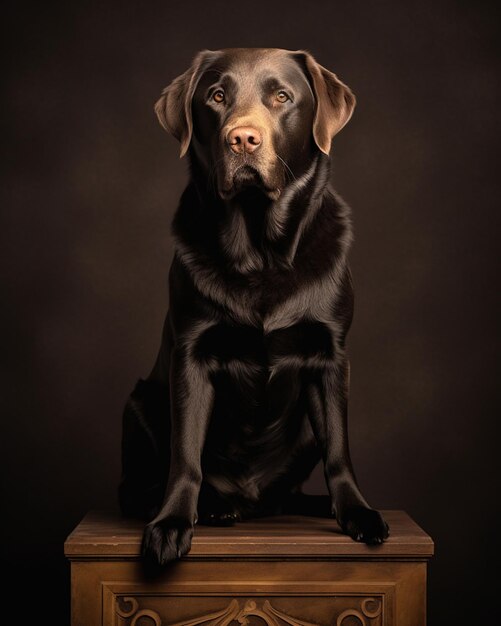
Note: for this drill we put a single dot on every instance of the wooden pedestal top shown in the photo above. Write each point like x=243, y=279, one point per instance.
x=107, y=536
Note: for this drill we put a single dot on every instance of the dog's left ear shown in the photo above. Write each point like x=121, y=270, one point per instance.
x=334, y=100
x=173, y=109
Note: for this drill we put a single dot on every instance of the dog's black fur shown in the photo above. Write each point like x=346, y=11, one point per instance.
x=250, y=386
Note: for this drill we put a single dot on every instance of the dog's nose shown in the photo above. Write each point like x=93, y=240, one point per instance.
x=244, y=139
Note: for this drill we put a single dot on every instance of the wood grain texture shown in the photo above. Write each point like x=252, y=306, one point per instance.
x=106, y=535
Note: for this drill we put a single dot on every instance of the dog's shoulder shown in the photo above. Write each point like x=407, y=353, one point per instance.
x=327, y=240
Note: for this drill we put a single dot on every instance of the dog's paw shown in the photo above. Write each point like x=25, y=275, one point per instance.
x=366, y=525
x=166, y=540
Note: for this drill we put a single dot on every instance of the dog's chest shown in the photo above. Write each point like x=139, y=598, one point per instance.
x=226, y=343
x=262, y=291
x=268, y=299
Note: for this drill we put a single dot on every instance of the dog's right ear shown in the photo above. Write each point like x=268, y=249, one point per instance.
x=173, y=109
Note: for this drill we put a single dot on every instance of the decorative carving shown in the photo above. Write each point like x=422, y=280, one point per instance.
x=128, y=609
x=134, y=613
x=365, y=611
x=221, y=618
x=233, y=613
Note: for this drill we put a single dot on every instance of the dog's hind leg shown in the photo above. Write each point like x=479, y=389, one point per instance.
x=145, y=450
x=213, y=509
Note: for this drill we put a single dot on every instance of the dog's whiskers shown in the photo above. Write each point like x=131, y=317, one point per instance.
x=211, y=178
x=286, y=169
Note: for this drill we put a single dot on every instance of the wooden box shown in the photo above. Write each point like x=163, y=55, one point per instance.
x=289, y=570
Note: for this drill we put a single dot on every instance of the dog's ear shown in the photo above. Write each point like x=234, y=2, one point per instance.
x=334, y=101
x=173, y=109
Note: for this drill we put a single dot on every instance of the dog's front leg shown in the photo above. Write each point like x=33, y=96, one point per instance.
x=169, y=535
x=327, y=408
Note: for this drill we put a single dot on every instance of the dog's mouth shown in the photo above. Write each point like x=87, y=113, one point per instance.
x=246, y=177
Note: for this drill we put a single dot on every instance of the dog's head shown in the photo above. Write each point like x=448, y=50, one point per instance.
x=255, y=116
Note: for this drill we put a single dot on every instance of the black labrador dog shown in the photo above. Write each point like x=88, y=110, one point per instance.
x=250, y=387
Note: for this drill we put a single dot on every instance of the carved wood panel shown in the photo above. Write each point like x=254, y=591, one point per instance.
x=338, y=610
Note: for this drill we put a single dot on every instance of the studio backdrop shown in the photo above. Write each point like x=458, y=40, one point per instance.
x=91, y=185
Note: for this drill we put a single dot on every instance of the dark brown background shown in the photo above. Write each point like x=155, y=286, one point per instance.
x=92, y=183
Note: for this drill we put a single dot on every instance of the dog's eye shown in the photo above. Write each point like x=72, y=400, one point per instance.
x=218, y=95
x=282, y=96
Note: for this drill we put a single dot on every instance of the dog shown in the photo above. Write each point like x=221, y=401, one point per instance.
x=250, y=387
